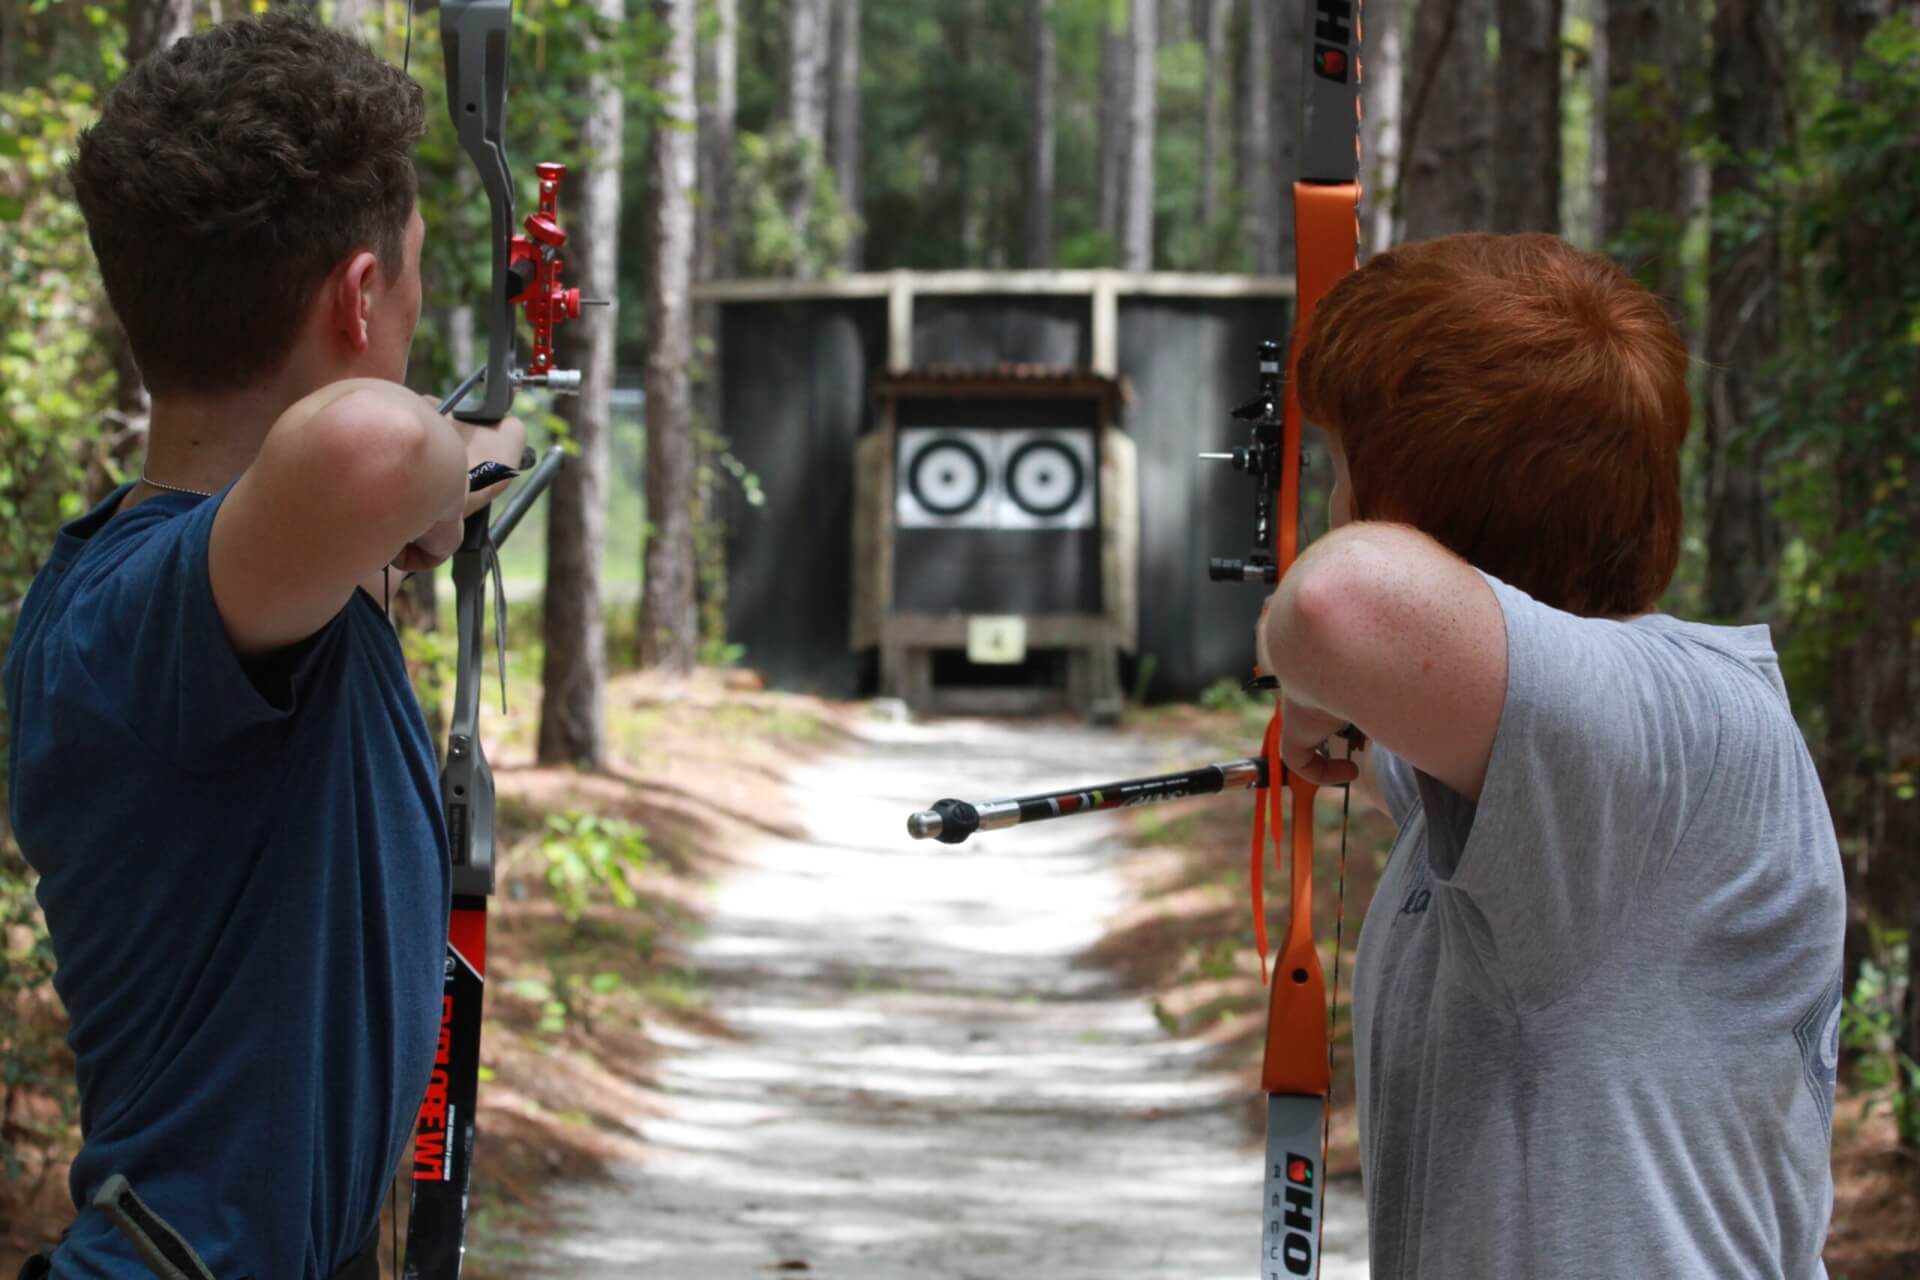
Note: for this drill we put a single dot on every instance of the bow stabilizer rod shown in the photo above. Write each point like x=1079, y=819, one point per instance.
x=952, y=821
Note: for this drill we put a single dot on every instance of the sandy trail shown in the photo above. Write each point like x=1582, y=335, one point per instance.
x=923, y=1081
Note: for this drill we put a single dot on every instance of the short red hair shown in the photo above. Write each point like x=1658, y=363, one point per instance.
x=1519, y=401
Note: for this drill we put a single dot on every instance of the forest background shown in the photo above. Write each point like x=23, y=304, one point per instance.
x=1755, y=162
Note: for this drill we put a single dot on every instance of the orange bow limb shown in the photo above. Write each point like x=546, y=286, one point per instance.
x=1326, y=228
x=1296, y=1059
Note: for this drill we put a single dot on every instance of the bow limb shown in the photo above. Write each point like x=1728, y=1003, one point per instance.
x=1297, y=1066
x=476, y=37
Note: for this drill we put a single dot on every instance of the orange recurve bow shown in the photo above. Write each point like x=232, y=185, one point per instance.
x=1296, y=1071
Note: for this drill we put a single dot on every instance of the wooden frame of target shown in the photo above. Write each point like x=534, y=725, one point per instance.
x=1008, y=493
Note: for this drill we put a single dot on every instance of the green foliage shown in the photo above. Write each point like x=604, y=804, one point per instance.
x=433, y=659
x=1225, y=694
x=585, y=855
x=32, y=1051
x=717, y=470
x=566, y=997
x=1183, y=242
x=1847, y=208
x=947, y=127
x=776, y=170
x=54, y=377
x=1215, y=958
x=1870, y=1022
x=557, y=45
x=54, y=391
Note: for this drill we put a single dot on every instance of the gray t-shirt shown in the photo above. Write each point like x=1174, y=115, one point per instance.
x=1596, y=1015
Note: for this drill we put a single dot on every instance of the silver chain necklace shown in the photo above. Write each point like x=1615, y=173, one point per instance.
x=171, y=488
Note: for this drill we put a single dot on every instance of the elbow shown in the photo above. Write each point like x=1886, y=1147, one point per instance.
x=382, y=456
x=1320, y=609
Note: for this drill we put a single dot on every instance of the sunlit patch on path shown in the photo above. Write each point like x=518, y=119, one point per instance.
x=921, y=1079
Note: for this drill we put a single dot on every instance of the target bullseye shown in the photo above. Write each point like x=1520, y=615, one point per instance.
x=1044, y=478
x=948, y=477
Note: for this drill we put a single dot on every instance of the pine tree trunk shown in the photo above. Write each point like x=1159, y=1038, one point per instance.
x=1177, y=22
x=719, y=90
x=846, y=122
x=573, y=677
x=1261, y=178
x=10, y=15
x=1873, y=695
x=1647, y=109
x=1526, y=177
x=967, y=189
x=1446, y=138
x=807, y=32
x=1116, y=83
x=1216, y=16
x=1597, y=60
x=1041, y=73
x=1136, y=232
x=668, y=624
x=1287, y=119
x=153, y=25
x=1743, y=313
x=1381, y=89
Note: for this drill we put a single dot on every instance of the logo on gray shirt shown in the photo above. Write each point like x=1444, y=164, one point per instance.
x=1818, y=1032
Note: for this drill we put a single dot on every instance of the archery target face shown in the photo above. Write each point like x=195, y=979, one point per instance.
x=946, y=478
x=1046, y=479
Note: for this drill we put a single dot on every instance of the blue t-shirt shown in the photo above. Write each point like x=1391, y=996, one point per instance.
x=244, y=870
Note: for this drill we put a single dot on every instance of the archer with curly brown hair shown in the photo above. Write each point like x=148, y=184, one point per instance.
x=219, y=768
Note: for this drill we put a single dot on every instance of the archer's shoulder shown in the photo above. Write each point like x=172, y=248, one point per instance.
x=1741, y=662
x=1653, y=668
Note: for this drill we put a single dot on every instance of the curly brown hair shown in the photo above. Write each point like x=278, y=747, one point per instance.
x=228, y=175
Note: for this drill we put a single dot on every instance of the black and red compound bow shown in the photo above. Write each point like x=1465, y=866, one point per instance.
x=1296, y=1070
x=476, y=36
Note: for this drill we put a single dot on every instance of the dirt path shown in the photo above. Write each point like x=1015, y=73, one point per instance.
x=922, y=1081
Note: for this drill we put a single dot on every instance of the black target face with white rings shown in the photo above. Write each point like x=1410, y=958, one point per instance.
x=948, y=476
x=1048, y=478
x=1044, y=478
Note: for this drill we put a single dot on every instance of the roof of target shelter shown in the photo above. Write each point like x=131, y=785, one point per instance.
x=1006, y=380
x=802, y=367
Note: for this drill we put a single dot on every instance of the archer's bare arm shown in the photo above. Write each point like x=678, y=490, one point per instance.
x=1380, y=626
x=346, y=479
